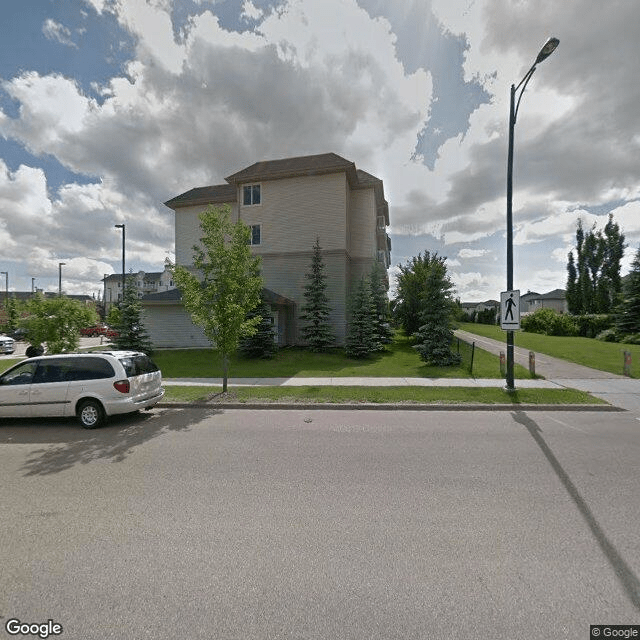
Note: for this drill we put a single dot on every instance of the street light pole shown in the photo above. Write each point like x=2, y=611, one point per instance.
x=60, y=265
x=548, y=48
x=6, y=286
x=121, y=226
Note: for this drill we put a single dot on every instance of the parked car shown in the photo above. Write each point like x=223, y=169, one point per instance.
x=18, y=334
x=98, y=330
x=91, y=386
x=7, y=344
x=94, y=331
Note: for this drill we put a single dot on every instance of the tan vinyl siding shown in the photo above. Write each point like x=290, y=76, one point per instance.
x=188, y=231
x=170, y=326
x=362, y=237
x=293, y=211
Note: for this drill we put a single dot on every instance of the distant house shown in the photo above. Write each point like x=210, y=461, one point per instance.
x=473, y=309
x=556, y=300
x=146, y=282
x=287, y=203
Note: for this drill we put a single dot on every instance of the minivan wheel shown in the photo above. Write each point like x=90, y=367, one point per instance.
x=90, y=414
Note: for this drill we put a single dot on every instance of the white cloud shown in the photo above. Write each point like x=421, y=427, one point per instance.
x=472, y=253
x=55, y=31
x=250, y=11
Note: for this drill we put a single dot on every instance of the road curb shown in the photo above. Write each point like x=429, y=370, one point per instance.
x=390, y=407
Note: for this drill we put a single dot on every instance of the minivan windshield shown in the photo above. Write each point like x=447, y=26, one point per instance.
x=138, y=365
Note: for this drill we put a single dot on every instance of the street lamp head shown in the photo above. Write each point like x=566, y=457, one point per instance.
x=119, y=226
x=549, y=47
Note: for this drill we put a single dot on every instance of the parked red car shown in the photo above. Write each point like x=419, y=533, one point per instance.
x=99, y=329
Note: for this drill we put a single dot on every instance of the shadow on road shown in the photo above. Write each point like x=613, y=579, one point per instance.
x=67, y=444
x=624, y=573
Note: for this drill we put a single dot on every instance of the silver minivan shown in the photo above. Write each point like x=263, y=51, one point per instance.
x=91, y=386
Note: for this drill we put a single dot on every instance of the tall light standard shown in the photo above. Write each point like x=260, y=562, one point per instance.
x=548, y=48
x=60, y=265
x=121, y=226
x=6, y=286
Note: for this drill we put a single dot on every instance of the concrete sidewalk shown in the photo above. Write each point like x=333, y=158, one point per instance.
x=623, y=393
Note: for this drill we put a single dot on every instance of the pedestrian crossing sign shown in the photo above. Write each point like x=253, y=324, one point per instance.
x=510, y=310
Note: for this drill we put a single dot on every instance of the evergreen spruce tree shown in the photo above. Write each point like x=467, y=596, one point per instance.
x=316, y=331
x=361, y=339
x=628, y=315
x=262, y=344
x=382, y=328
x=435, y=335
x=131, y=331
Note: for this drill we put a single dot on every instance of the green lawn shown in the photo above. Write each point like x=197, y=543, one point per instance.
x=398, y=360
x=605, y=356
x=409, y=395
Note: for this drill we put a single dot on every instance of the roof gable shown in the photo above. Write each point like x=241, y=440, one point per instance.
x=291, y=167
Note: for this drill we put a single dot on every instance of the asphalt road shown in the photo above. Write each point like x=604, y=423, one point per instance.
x=322, y=524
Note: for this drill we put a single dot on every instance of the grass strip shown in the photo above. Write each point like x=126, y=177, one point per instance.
x=379, y=395
x=398, y=360
x=604, y=356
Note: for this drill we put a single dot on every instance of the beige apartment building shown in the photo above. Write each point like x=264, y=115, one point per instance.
x=287, y=203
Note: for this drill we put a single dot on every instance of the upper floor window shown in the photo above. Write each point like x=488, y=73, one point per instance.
x=251, y=194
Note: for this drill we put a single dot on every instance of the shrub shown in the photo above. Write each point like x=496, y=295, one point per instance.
x=549, y=322
x=590, y=325
x=632, y=338
x=608, y=335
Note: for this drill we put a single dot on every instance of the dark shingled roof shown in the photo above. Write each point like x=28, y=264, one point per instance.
x=300, y=166
x=321, y=164
x=174, y=295
x=215, y=194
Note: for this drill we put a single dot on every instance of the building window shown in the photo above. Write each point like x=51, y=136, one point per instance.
x=256, y=237
x=251, y=194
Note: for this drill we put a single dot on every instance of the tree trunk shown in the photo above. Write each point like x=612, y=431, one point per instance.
x=225, y=370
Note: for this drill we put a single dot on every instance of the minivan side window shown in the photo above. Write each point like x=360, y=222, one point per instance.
x=22, y=374
x=52, y=370
x=90, y=369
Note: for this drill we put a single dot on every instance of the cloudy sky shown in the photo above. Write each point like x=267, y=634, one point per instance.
x=110, y=107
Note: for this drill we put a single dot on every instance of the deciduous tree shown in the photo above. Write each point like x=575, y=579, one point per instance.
x=229, y=285
x=56, y=322
x=593, y=275
x=437, y=307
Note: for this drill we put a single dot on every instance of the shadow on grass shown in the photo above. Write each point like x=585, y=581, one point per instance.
x=66, y=444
